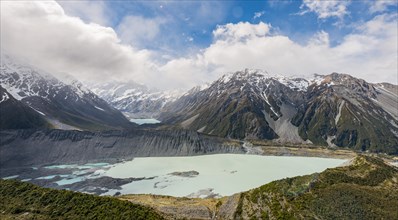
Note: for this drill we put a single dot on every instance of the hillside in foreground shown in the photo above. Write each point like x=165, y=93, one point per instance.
x=365, y=189
x=19, y=200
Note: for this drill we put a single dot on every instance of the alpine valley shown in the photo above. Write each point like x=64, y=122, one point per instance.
x=59, y=133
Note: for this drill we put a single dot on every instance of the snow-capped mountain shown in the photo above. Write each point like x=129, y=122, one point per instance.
x=65, y=105
x=133, y=99
x=333, y=110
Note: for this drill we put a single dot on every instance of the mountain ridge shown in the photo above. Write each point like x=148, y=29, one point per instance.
x=65, y=105
x=321, y=110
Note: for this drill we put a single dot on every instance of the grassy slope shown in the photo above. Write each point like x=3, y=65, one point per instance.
x=367, y=189
x=20, y=200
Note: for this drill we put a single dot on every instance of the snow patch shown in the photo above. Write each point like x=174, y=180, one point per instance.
x=265, y=98
x=38, y=111
x=4, y=97
x=336, y=120
x=99, y=108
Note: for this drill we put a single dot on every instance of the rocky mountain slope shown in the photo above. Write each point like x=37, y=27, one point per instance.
x=235, y=106
x=64, y=104
x=346, y=111
x=334, y=110
x=17, y=115
x=133, y=99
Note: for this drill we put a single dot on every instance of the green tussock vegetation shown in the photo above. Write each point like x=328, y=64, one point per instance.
x=19, y=200
x=367, y=189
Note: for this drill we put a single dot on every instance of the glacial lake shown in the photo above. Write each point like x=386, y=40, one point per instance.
x=219, y=174
x=141, y=121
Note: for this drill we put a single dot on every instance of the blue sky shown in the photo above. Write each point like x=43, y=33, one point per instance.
x=189, y=25
x=180, y=44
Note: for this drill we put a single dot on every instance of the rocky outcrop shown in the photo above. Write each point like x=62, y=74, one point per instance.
x=20, y=148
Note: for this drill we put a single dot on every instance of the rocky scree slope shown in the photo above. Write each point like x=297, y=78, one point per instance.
x=21, y=148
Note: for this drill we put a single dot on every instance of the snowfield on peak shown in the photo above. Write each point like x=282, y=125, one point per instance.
x=253, y=76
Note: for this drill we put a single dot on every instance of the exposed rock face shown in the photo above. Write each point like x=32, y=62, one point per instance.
x=34, y=147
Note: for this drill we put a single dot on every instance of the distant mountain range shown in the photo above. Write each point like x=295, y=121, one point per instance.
x=335, y=110
x=133, y=99
x=32, y=98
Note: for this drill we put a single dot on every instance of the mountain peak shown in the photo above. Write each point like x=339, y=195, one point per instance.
x=244, y=75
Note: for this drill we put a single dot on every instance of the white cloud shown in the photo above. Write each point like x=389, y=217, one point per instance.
x=319, y=39
x=43, y=34
x=325, y=8
x=241, y=31
x=369, y=53
x=138, y=30
x=381, y=5
x=258, y=14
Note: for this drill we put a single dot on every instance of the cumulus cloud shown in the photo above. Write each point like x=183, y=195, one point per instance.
x=325, y=8
x=240, y=31
x=369, y=52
